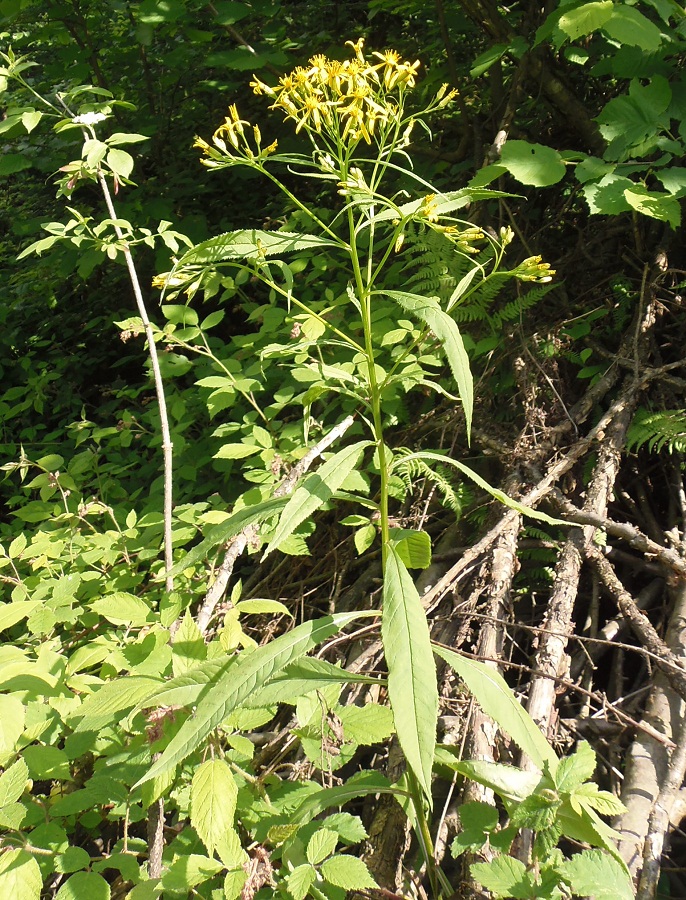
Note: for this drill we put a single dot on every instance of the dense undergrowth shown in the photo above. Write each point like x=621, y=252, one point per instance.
x=352, y=370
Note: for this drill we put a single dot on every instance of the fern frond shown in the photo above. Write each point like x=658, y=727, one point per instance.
x=409, y=470
x=666, y=428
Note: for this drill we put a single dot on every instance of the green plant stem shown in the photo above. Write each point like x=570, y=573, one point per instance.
x=282, y=187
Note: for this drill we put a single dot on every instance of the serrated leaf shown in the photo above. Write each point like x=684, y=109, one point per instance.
x=574, y=770
x=412, y=686
x=213, y=802
x=598, y=874
x=442, y=203
x=503, y=877
x=629, y=26
x=602, y=802
x=20, y=876
x=301, y=678
x=533, y=164
x=84, y=886
x=109, y=702
x=188, y=871
x=414, y=547
x=218, y=534
x=429, y=311
x=370, y=724
x=315, y=490
x=12, y=782
x=122, y=608
x=585, y=19
x=349, y=828
x=300, y=880
x=11, y=613
x=234, y=682
x=250, y=244
x=12, y=717
x=321, y=844
x=189, y=647
x=347, y=872
x=497, y=700
x=482, y=483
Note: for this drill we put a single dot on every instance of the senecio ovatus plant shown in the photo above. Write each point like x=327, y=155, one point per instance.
x=355, y=115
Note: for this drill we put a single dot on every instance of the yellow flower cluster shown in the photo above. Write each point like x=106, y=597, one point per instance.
x=235, y=132
x=347, y=100
x=534, y=269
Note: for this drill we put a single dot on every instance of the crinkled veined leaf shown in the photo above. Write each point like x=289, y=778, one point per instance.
x=20, y=877
x=597, y=873
x=315, y=490
x=213, y=801
x=497, y=700
x=230, y=688
x=348, y=872
x=428, y=310
x=249, y=245
x=412, y=686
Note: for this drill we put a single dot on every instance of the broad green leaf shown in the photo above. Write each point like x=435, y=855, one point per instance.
x=602, y=802
x=72, y=860
x=262, y=606
x=498, y=701
x=412, y=686
x=11, y=613
x=370, y=724
x=213, y=801
x=188, y=871
x=347, y=872
x=413, y=547
x=46, y=763
x=508, y=782
x=585, y=19
x=20, y=877
x=189, y=647
x=12, y=782
x=574, y=770
x=587, y=826
x=348, y=827
x=598, y=874
x=236, y=451
x=122, y=608
x=227, y=529
x=477, y=479
x=504, y=877
x=31, y=118
x=606, y=197
x=629, y=26
x=120, y=162
x=12, y=713
x=428, y=310
x=234, y=883
x=315, y=490
x=108, y=704
x=321, y=844
x=364, y=538
x=532, y=164
x=235, y=682
x=250, y=244
x=84, y=886
x=300, y=880
x=660, y=206
x=125, y=138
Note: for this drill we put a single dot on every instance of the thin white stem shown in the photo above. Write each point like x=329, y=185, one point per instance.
x=159, y=384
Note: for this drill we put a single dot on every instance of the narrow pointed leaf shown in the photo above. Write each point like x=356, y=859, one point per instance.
x=498, y=701
x=411, y=669
x=228, y=529
x=316, y=489
x=231, y=687
x=245, y=244
x=428, y=310
x=521, y=508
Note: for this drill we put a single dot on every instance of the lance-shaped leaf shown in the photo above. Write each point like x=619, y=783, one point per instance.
x=497, y=700
x=521, y=508
x=411, y=669
x=441, y=205
x=316, y=489
x=428, y=310
x=249, y=245
x=231, y=686
x=228, y=529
